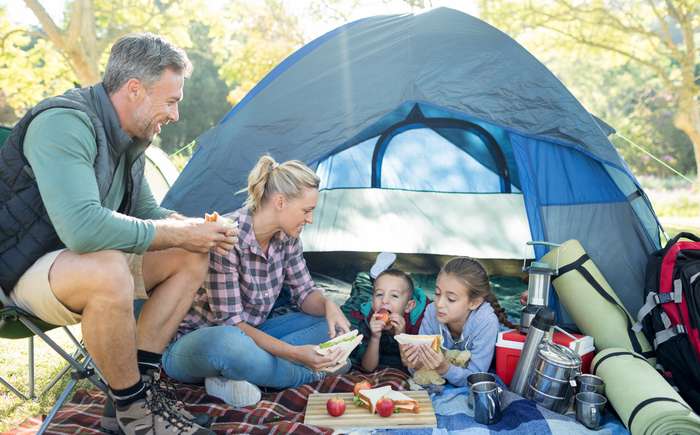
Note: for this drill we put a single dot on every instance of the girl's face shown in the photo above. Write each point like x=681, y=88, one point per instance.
x=297, y=212
x=452, y=301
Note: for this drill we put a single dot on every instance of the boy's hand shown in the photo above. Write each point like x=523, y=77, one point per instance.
x=376, y=325
x=398, y=323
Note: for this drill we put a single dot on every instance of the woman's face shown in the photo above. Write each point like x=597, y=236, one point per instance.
x=298, y=212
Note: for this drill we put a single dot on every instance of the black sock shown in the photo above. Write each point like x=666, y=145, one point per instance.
x=148, y=361
x=128, y=395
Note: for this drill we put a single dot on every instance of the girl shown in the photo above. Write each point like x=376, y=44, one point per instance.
x=466, y=313
x=227, y=338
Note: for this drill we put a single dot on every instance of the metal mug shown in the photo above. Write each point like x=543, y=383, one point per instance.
x=591, y=383
x=589, y=409
x=473, y=379
x=487, y=402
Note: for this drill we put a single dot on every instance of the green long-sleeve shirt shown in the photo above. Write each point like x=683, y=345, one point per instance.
x=61, y=149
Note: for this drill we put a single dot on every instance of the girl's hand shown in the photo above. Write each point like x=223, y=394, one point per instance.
x=336, y=319
x=433, y=360
x=398, y=323
x=376, y=326
x=410, y=356
x=308, y=356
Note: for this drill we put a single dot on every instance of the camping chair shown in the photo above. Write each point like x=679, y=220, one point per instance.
x=16, y=323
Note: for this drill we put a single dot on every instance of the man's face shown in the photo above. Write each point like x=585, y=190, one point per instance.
x=157, y=105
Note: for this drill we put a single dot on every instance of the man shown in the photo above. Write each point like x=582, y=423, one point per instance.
x=81, y=235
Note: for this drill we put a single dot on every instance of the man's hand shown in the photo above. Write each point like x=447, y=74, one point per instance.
x=194, y=235
x=308, y=356
x=336, y=319
x=398, y=323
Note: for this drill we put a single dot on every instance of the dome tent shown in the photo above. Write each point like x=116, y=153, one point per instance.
x=440, y=134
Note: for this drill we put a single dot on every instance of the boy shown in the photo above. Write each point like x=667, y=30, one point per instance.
x=395, y=307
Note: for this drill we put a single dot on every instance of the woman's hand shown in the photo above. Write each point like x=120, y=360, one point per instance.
x=432, y=360
x=308, y=356
x=410, y=356
x=336, y=319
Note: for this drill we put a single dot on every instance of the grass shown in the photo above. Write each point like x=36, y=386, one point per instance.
x=676, y=204
x=13, y=367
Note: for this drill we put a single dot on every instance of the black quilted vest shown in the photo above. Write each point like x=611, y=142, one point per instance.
x=26, y=233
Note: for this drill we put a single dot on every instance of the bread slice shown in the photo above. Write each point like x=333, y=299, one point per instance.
x=346, y=342
x=369, y=399
x=435, y=341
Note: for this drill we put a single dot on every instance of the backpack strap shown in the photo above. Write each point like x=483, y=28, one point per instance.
x=667, y=334
x=654, y=299
x=578, y=266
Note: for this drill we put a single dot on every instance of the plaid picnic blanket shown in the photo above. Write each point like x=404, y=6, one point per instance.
x=279, y=412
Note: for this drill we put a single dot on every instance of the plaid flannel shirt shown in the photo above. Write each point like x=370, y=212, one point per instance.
x=244, y=285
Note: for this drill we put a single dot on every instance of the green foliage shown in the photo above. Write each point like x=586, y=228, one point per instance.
x=204, y=103
x=249, y=39
x=623, y=60
x=30, y=70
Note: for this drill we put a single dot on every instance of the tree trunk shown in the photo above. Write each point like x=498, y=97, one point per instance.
x=687, y=119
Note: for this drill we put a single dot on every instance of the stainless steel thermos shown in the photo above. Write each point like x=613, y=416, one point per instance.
x=539, y=327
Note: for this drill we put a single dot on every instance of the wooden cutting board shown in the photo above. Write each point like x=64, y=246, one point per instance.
x=358, y=417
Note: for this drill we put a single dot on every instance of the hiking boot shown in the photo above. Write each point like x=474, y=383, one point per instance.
x=383, y=261
x=108, y=421
x=168, y=390
x=154, y=415
x=235, y=393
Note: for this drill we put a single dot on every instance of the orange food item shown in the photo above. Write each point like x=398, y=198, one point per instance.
x=383, y=315
x=362, y=385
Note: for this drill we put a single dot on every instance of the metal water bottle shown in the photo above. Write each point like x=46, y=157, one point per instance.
x=540, y=326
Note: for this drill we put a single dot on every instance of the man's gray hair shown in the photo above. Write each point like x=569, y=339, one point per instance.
x=143, y=56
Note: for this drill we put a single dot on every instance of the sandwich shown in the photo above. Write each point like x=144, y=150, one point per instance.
x=434, y=341
x=346, y=343
x=216, y=217
x=369, y=399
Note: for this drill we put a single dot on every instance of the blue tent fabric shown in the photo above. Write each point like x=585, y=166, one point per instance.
x=408, y=93
x=346, y=82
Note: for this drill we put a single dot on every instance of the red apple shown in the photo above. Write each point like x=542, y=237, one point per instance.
x=362, y=385
x=335, y=406
x=385, y=407
x=383, y=315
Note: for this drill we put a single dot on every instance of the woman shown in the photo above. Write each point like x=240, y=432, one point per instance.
x=227, y=338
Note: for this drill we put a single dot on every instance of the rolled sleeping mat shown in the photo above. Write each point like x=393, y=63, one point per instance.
x=592, y=303
x=645, y=402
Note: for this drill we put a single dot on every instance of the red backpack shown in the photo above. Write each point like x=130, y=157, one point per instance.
x=670, y=318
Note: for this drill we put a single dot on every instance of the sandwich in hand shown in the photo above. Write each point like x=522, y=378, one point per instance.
x=434, y=341
x=216, y=217
x=346, y=343
x=402, y=402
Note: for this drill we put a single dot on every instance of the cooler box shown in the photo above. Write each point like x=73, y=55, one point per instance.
x=510, y=344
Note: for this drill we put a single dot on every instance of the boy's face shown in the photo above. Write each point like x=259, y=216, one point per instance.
x=392, y=294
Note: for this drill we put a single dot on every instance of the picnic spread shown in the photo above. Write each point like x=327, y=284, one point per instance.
x=284, y=411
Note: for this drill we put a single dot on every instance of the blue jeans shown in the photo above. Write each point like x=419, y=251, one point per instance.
x=227, y=351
